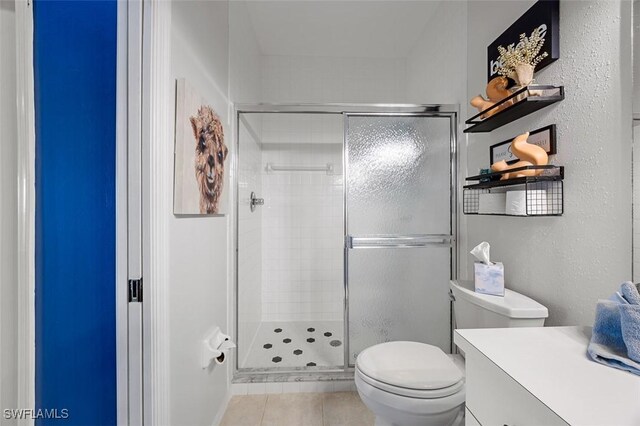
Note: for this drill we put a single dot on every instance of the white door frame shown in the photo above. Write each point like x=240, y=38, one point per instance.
x=26, y=213
x=157, y=206
x=126, y=92
x=26, y=206
x=144, y=149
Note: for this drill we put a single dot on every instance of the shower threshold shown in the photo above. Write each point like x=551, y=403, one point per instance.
x=293, y=376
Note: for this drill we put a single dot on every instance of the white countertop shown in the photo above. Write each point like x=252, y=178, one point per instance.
x=552, y=364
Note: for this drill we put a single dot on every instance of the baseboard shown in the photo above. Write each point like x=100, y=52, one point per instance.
x=223, y=408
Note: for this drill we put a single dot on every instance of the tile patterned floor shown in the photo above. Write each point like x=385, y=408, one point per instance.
x=297, y=344
x=298, y=409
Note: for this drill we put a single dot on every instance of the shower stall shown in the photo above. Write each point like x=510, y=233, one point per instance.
x=345, y=232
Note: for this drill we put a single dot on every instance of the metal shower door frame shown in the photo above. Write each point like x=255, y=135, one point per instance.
x=449, y=111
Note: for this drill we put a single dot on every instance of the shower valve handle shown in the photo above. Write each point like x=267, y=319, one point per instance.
x=255, y=201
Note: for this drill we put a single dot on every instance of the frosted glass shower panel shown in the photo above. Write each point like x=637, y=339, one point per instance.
x=399, y=230
x=398, y=294
x=398, y=175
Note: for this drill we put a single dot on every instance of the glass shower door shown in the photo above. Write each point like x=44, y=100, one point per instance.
x=399, y=230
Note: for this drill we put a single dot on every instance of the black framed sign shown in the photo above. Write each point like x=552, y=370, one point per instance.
x=544, y=138
x=544, y=14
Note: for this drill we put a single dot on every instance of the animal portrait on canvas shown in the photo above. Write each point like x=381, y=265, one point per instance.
x=211, y=152
x=200, y=155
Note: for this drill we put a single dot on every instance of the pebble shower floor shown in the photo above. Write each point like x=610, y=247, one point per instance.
x=297, y=344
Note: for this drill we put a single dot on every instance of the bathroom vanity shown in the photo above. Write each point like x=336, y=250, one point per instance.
x=543, y=376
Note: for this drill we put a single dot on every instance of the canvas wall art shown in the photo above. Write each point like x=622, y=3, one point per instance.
x=200, y=156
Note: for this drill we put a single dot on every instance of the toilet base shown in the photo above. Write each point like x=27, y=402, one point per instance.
x=382, y=422
x=396, y=410
x=458, y=421
x=453, y=418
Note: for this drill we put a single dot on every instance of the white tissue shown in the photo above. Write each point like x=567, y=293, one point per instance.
x=481, y=252
x=214, y=347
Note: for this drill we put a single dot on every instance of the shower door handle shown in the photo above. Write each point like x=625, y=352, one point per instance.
x=397, y=241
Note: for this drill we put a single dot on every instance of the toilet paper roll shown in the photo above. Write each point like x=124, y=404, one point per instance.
x=492, y=203
x=215, y=348
x=223, y=348
x=534, y=199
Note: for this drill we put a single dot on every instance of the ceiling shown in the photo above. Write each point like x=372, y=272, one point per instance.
x=371, y=29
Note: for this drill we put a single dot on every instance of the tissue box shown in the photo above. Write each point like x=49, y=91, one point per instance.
x=492, y=203
x=517, y=202
x=489, y=279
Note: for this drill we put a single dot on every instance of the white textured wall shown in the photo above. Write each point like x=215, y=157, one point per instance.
x=636, y=58
x=636, y=201
x=307, y=79
x=245, y=57
x=567, y=262
x=198, y=245
x=636, y=138
x=8, y=209
x=437, y=63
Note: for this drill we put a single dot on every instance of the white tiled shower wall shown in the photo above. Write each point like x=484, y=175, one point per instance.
x=302, y=232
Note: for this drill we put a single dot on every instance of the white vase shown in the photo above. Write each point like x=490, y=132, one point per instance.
x=524, y=74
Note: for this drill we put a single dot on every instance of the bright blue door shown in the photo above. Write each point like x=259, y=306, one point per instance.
x=75, y=89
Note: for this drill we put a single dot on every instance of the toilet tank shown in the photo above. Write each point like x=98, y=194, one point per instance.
x=475, y=310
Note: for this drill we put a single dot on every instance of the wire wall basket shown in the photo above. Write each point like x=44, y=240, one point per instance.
x=523, y=196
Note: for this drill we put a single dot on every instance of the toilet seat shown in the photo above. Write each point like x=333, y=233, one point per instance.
x=410, y=369
x=411, y=393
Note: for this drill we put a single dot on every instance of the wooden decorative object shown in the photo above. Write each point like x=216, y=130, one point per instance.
x=497, y=89
x=529, y=155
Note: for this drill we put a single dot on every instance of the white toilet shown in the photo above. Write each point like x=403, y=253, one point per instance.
x=411, y=383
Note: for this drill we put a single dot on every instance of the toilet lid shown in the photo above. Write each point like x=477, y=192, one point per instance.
x=410, y=365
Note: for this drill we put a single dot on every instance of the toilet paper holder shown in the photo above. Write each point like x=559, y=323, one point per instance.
x=215, y=347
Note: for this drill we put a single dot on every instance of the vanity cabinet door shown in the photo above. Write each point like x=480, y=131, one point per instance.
x=495, y=399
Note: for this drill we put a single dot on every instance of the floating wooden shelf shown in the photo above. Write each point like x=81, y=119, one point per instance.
x=524, y=102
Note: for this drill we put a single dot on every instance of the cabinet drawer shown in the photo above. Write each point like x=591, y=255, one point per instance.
x=496, y=399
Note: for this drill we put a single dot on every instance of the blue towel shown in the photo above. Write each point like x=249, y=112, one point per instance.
x=607, y=344
x=607, y=329
x=616, y=332
x=630, y=325
x=618, y=298
x=630, y=293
